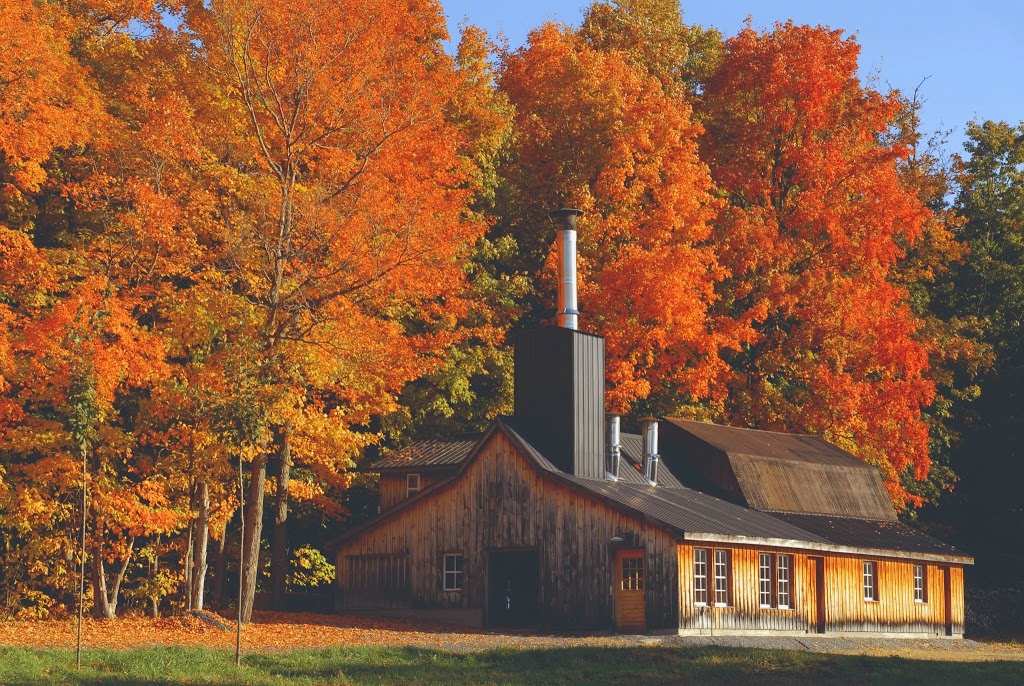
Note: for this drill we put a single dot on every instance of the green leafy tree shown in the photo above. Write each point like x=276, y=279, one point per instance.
x=987, y=512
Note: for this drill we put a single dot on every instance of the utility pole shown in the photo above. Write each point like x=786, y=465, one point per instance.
x=241, y=561
x=81, y=572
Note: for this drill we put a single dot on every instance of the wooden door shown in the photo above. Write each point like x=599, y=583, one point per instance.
x=816, y=570
x=630, y=596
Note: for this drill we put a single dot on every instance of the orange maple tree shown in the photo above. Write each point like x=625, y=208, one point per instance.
x=341, y=210
x=597, y=132
x=818, y=217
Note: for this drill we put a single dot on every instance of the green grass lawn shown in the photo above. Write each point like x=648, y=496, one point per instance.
x=407, y=666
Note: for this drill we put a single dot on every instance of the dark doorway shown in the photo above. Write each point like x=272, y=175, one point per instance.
x=817, y=569
x=512, y=581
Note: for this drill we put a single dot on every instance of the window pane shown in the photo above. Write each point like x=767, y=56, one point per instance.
x=633, y=574
x=785, y=567
x=700, y=576
x=919, y=581
x=765, y=578
x=721, y=577
x=453, y=572
x=870, y=582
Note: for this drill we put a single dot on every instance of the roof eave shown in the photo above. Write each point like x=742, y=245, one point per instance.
x=826, y=547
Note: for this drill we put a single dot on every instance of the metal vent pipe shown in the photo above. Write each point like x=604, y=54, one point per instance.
x=651, y=457
x=613, y=442
x=565, y=219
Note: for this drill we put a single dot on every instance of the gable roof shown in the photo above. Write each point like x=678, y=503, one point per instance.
x=688, y=513
x=780, y=472
x=680, y=509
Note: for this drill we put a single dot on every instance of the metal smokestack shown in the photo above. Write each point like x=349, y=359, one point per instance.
x=613, y=447
x=650, y=436
x=566, y=218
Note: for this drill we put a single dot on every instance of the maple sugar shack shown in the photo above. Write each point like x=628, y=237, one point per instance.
x=554, y=518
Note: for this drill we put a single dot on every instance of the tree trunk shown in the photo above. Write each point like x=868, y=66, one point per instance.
x=104, y=601
x=100, y=610
x=279, y=542
x=189, y=552
x=200, y=544
x=252, y=535
x=217, y=601
x=155, y=600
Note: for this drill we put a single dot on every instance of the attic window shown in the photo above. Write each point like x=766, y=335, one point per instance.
x=871, y=581
x=412, y=484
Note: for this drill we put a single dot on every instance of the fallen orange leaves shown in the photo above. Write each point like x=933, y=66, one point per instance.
x=273, y=631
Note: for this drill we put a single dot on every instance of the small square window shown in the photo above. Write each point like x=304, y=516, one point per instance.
x=412, y=484
x=453, y=572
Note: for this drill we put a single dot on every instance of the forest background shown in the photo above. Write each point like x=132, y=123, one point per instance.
x=261, y=241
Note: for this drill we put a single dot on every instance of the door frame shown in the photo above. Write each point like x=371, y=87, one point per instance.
x=619, y=555
x=490, y=553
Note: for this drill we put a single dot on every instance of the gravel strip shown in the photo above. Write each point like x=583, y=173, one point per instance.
x=935, y=648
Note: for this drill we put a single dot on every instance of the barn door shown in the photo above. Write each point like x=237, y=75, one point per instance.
x=630, y=598
x=513, y=588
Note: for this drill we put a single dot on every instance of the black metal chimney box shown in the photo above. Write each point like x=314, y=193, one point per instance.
x=559, y=397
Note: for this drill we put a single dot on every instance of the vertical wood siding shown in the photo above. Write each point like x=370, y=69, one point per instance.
x=393, y=487
x=502, y=502
x=846, y=611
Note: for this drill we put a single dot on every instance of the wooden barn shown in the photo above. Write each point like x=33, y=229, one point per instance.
x=554, y=518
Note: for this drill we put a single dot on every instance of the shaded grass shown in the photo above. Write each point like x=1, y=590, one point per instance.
x=586, y=666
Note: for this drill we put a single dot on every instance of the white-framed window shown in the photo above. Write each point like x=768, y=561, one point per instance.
x=920, y=584
x=453, y=571
x=721, y=577
x=412, y=484
x=870, y=581
x=700, y=576
x=784, y=579
x=764, y=575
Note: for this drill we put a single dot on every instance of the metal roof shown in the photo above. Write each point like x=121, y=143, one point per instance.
x=631, y=463
x=774, y=471
x=693, y=514
x=431, y=453
x=682, y=509
x=865, y=533
x=800, y=448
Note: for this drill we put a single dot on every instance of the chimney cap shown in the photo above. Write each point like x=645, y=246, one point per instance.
x=566, y=216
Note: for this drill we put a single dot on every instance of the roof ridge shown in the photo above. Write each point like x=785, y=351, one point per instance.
x=747, y=428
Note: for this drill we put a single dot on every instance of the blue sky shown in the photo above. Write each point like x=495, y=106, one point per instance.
x=973, y=51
